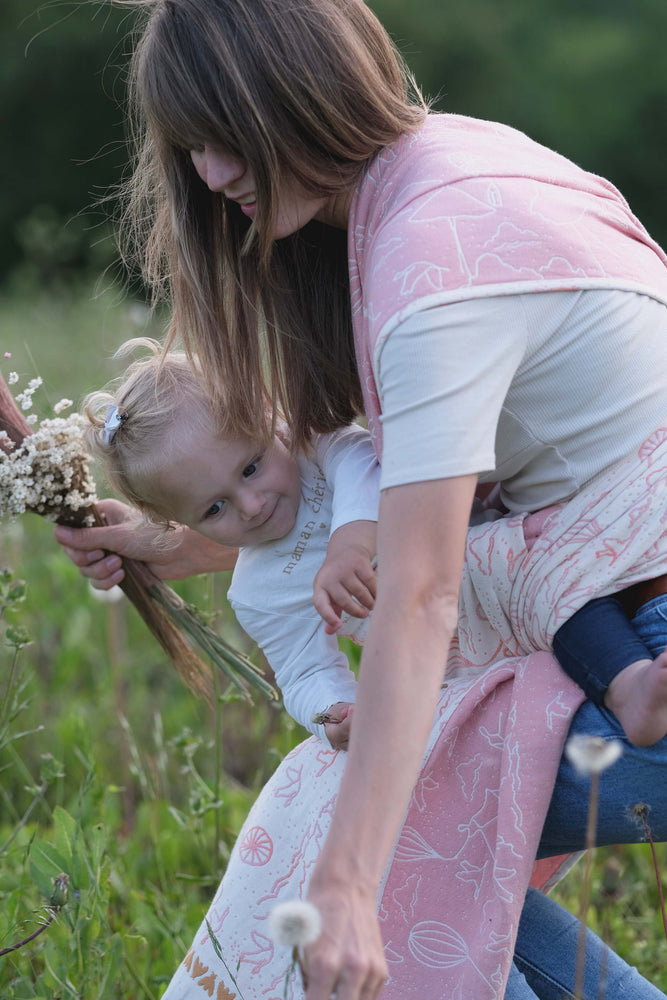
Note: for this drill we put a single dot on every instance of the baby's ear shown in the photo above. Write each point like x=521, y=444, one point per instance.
x=282, y=433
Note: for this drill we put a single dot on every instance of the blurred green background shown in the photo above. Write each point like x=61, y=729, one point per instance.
x=587, y=77
x=94, y=724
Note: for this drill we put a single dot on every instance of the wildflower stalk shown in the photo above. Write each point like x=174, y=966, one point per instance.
x=138, y=978
x=31, y=937
x=591, y=829
x=590, y=755
x=641, y=810
x=38, y=797
x=56, y=903
x=239, y=668
x=218, y=950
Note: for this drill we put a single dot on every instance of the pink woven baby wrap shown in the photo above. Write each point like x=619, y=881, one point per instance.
x=467, y=209
x=454, y=886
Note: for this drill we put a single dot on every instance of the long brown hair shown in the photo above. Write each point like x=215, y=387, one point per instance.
x=305, y=89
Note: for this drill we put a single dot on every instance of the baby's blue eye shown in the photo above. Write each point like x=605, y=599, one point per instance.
x=215, y=509
x=251, y=469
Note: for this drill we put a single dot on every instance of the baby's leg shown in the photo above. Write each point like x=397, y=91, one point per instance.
x=605, y=654
x=638, y=698
x=641, y=689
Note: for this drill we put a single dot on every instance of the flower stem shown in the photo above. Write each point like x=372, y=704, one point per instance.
x=591, y=829
x=641, y=811
x=31, y=937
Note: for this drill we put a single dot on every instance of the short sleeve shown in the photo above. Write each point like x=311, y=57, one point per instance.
x=442, y=378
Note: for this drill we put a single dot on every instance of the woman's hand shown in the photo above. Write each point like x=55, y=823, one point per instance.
x=97, y=551
x=348, y=958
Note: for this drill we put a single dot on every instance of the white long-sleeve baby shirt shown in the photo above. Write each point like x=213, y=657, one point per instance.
x=272, y=587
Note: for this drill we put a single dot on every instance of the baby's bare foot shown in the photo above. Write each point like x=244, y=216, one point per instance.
x=638, y=698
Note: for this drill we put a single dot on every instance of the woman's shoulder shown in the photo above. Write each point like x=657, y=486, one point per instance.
x=449, y=149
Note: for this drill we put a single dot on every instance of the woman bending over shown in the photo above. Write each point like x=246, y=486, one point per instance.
x=496, y=312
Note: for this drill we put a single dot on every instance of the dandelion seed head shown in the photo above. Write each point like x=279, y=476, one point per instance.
x=295, y=923
x=592, y=754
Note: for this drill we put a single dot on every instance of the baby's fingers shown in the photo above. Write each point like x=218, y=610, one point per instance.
x=338, y=730
x=357, y=599
x=327, y=610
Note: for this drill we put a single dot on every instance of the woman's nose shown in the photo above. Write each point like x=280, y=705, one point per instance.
x=218, y=169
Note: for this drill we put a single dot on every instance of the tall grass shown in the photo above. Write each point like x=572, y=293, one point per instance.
x=110, y=770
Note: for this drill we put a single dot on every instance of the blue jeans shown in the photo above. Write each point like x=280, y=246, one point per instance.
x=546, y=947
x=597, y=642
x=550, y=972
x=548, y=935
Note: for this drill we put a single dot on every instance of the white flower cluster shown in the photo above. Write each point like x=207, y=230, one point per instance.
x=25, y=397
x=48, y=472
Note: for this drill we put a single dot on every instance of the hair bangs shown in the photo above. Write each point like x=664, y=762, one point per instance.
x=183, y=94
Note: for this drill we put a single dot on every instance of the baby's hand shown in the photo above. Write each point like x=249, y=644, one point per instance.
x=346, y=580
x=533, y=524
x=337, y=722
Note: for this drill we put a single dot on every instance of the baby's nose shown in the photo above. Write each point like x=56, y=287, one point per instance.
x=250, y=505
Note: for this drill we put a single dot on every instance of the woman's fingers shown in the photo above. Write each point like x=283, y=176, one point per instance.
x=82, y=557
x=348, y=957
x=354, y=980
x=106, y=573
x=103, y=569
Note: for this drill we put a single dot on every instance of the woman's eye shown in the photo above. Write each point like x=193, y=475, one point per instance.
x=215, y=509
x=250, y=469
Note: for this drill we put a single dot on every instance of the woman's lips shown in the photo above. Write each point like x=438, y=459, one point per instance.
x=249, y=209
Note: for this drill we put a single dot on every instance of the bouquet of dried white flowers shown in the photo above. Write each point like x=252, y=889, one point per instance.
x=46, y=472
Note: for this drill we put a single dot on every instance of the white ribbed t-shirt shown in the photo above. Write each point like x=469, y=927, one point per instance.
x=537, y=391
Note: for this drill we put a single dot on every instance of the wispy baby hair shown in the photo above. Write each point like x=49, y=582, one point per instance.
x=155, y=393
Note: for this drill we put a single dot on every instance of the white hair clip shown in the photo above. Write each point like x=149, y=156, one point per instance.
x=114, y=419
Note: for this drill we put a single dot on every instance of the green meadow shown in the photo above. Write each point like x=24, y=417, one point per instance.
x=111, y=771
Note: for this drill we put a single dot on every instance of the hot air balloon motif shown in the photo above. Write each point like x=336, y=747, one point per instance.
x=439, y=946
x=412, y=847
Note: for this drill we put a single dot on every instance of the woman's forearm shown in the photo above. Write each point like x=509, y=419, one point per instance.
x=401, y=672
x=401, y=675
x=97, y=551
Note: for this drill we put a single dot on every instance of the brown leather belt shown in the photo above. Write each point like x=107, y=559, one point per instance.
x=633, y=597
